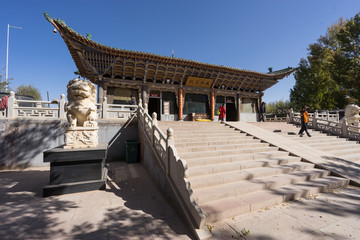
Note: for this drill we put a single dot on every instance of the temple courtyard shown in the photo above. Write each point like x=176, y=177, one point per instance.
x=132, y=207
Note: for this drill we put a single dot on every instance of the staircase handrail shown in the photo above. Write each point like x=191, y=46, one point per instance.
x=175, y=168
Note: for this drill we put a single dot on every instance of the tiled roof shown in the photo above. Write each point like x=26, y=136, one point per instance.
x=94, y=59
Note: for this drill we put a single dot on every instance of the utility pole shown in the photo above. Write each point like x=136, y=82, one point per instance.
x=7, y=56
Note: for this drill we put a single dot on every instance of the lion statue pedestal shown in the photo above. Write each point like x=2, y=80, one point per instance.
x=79, y=165
x=82, y=131
x=352, y=117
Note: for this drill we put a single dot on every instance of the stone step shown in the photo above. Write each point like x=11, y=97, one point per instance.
x=181, y=150
x=189, y=139
x=190, y=155
x=354, y=157
x=178, y=135
x=234, y=189
x=340, y=143
x=345, y=151
x=202, y=161
x=246, y=173
x=311, y=140
x=216, y=143
x=346, y=146
x=235, y=206
x=233, y=171
x=201, y=129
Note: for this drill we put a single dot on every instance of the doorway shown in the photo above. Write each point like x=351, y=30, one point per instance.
x=154, y=106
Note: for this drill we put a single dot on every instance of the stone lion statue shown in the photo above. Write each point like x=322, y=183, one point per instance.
x=352, y=115
x=81, y=107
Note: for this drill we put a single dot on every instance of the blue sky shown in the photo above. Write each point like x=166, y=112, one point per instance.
x=252, y=35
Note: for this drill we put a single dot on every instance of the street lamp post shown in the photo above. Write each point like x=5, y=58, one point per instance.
x=7, y=56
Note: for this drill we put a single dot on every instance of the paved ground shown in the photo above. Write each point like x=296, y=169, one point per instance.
x=131, y=208
x=323, y=216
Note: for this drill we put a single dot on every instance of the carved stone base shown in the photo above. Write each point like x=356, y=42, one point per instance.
x=81, y=137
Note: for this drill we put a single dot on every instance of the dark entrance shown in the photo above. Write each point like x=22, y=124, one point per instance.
x=230, y=109
x=229, y=103
x=154, y=104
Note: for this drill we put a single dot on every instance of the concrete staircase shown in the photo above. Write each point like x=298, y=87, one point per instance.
x=341, y=147
x=232, y=173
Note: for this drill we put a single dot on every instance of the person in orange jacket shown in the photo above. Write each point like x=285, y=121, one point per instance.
x=222, y=111
x=304, y=113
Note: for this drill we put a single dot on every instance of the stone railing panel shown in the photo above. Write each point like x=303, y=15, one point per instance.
x=326, y=123
x=3, y=113
x=159, y=141
x=56, y=109
x=173, y=167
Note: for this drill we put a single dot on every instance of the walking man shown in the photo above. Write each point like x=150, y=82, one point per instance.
x=304, y=113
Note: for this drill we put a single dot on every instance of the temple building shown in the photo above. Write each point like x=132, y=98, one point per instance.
x=174, y=88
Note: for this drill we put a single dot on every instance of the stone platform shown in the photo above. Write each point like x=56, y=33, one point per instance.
x=75, y=170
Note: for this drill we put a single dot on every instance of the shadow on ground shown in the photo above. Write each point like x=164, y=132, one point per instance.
x=144, y=212
x=24, y=213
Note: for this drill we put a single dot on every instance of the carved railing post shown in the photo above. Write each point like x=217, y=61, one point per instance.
x=337, y=116
x=104, y=108
x=139, y=113
x=344, y=128
x=62, y=114
x=11, y=105
x=153, y=123
x=169, y=142
x=327, y=115
x=145, y=111
x=314, y=120
x=291, y=115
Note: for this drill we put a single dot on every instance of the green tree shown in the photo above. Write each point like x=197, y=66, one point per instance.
x=2, y=82
x=329, y=77
x=346, y=69
x=30, y=91
x=278, y=108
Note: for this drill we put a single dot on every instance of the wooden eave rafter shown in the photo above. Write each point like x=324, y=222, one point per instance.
x=95, y=60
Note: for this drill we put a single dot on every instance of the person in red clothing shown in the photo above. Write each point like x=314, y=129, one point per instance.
x=222, y=111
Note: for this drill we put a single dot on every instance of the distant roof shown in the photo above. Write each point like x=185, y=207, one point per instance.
x=96, y=61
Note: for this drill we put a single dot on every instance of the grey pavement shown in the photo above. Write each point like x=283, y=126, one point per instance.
x=132, y=208
x=328, y=216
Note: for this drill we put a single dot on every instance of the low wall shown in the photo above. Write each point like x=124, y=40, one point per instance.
x=248, y=117
x=22, y=141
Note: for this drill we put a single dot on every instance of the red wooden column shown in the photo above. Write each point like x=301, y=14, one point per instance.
x=181, y=104
x=212, y=101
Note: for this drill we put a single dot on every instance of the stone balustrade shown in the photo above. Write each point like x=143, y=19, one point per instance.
x=56, y=109
x=328, y=123
x=171, y=170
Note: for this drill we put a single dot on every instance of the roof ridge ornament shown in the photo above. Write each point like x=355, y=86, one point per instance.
x=47, y=16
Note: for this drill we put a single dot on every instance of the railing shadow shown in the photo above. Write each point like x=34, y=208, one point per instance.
x=116, y=146
x=24, y=139
x=131, y=183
